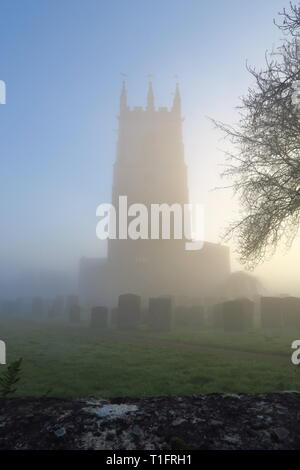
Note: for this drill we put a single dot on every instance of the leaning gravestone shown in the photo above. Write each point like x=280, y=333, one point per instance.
x=291, y=311
x=160, y=313
x=238, y=315
x=99, y=317
x=129, y=311
x=271, y=312
x=74, y=314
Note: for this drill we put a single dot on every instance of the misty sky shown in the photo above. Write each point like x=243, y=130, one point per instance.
x=61, y=61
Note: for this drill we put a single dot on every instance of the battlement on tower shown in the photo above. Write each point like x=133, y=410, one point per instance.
x=141, y=109
x=150, y=109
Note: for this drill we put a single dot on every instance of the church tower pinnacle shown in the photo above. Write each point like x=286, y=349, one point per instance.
x=123, y=98
x=150, y=97
x=177, y=101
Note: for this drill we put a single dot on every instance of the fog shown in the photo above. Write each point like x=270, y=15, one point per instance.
x=127, y=320
x=59, y=143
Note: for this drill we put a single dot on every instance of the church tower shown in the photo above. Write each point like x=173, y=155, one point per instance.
x=149, y=169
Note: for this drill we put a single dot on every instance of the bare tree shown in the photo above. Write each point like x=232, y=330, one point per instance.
x=265, y=164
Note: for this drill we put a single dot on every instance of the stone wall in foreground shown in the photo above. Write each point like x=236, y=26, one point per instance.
x=214, y=421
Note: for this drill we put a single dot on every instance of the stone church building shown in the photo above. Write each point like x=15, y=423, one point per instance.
x=150, y=169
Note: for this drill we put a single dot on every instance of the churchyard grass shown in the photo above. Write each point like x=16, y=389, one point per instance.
x=62, y=359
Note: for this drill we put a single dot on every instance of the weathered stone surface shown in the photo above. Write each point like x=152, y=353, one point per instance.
x=271, y=312
x=160, y=314
x=129, y=311
x=99, y=317
x=214, y=421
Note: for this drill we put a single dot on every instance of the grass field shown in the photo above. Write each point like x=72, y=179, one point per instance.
x=60, y=359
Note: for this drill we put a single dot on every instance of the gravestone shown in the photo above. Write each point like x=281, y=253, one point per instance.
x=291, y=311
x=160, y=313
x=238, y=315
x=99, y=317
x=74, y=314
x=271, y=312
x=129, y=311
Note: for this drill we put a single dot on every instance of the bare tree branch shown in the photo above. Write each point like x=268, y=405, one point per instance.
x=265, y=166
